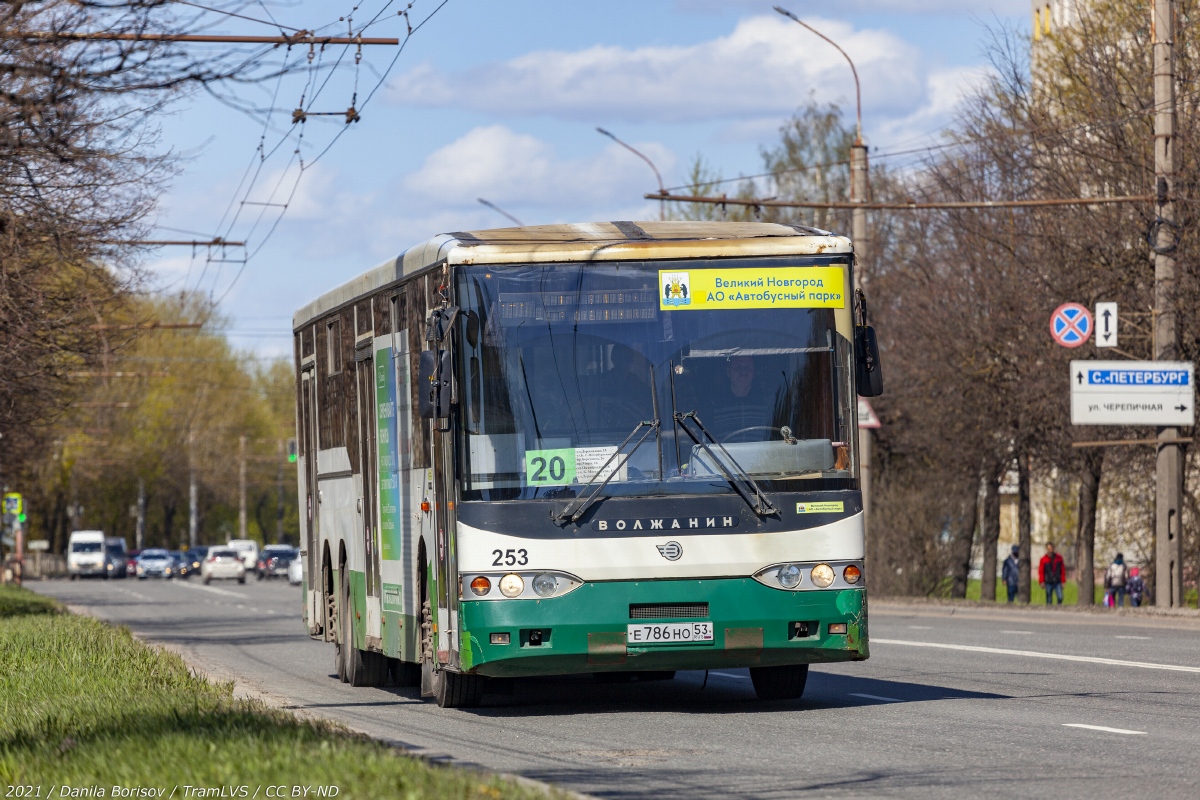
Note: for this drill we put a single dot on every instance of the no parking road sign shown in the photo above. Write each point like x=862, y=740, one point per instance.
x=1071, y=324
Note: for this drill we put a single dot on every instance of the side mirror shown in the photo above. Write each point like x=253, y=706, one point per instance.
x=867, y=368
x=433, y=378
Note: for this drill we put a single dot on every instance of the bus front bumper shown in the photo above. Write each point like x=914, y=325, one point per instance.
x=586, y=630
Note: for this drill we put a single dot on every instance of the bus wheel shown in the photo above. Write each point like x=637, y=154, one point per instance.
x=362, y=668
x=404, y=673
x=779, y=683
x=458, y=690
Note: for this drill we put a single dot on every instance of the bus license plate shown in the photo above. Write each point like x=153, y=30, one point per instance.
x=669, y=633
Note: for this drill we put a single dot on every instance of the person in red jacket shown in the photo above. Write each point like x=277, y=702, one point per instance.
x=1051, y=573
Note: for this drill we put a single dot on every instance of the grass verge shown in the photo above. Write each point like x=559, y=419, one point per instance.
x=85, y=704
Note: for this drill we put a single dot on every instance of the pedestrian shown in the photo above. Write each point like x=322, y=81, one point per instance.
x=1136, y=587
x=1051, y=574
x=1115, y=580
x=1011, y=573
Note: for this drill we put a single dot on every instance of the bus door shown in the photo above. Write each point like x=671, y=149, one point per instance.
x=445, y=519
x=364, y=374
x=309, y=446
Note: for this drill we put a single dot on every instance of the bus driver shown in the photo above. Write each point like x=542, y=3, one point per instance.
x=741, y=404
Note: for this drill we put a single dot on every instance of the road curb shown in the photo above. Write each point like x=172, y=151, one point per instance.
x=243, y=689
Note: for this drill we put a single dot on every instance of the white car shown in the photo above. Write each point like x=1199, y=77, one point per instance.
x=154, y=562
x=223, y=563
x=296, y=571
x=247, y=549
x=86, y=554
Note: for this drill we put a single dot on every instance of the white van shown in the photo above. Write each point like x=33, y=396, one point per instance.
x=86, y=554
x=248, y=550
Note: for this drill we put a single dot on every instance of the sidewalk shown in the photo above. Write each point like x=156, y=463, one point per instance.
x=1147, y=616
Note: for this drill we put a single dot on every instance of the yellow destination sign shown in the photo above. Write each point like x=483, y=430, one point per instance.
x=820, y=507
x=777, y=287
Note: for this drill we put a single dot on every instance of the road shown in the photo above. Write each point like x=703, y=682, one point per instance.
x=978, y=714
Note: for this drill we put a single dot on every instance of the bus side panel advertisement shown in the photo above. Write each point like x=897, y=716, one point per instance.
x=758, y=287
x=386, y=447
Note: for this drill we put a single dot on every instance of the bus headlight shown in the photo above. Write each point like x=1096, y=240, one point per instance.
x=789, y=576
x=481, y=586
x=511, y=585
x=822, y=576
x=851, y=574
x=545, y=585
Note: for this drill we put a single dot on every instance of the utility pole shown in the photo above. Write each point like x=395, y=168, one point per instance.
x=140, y=531
x=1168, y=473
x=860, y=190
x=193, y=504
x=279, y=495
x=241, y=487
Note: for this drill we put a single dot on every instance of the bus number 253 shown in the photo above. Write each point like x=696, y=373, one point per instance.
x=512, y=558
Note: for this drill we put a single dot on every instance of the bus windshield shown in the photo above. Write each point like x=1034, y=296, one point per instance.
x=559, y=363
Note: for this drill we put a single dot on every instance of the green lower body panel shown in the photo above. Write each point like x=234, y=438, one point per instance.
x=585, y=631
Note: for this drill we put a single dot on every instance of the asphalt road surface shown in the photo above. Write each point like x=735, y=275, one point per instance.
x=949, y=705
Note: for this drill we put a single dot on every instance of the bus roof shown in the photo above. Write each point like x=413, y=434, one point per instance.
x=589, y=241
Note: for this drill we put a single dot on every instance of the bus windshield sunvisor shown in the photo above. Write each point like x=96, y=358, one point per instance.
x=556, y=363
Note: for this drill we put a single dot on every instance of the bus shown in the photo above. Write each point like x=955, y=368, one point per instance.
x=615, y=448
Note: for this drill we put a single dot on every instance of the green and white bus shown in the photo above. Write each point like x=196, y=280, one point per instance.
x=618, y=448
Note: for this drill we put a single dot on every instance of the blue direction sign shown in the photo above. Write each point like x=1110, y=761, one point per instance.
x=1071, y=324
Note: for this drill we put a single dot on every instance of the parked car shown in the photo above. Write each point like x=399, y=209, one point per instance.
x=176, y=570
x=86, y=555
x=154, y=562
x=116, y=559
x=274, y=559
x=247, y=549
x=296, y=570
x=192, y=560
x=223, y=563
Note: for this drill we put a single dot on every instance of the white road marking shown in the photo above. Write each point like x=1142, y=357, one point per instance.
x=1036, y=654
x=136, y=595
x=1021, y=633
x=1145, y=638
x=730, y=675
x=876, y=697
x=919, y=628
x=1103, y=728
x=215, y=590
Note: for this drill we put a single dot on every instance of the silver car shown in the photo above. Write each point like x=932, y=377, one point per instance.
x=154, y=562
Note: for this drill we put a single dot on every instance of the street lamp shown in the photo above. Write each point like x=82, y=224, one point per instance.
x=662, y=212
x=858, y=231
x=500, y=210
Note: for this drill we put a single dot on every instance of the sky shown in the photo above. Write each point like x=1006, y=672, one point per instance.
x=501, y=101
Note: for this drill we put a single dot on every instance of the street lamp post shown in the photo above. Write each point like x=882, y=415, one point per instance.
x=859, y=192
x=662, y=208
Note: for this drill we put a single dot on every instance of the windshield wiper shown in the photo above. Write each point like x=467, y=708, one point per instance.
x=574, y=510
x=737, y=476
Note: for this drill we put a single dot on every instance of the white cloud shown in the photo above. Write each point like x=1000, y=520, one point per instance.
x=510, y=168
x=765, y=66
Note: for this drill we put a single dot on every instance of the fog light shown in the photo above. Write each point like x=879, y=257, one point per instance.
x=822, y=576
x=789, y=576
x=482, y=586
x=500, y=638
x=511, y=585
x=851, y=574
x=837, y=627
x=545, y=585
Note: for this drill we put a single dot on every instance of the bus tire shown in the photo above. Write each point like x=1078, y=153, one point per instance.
x=779, y=683
x=404, y=673
x=458, y=689
x=362, y=667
